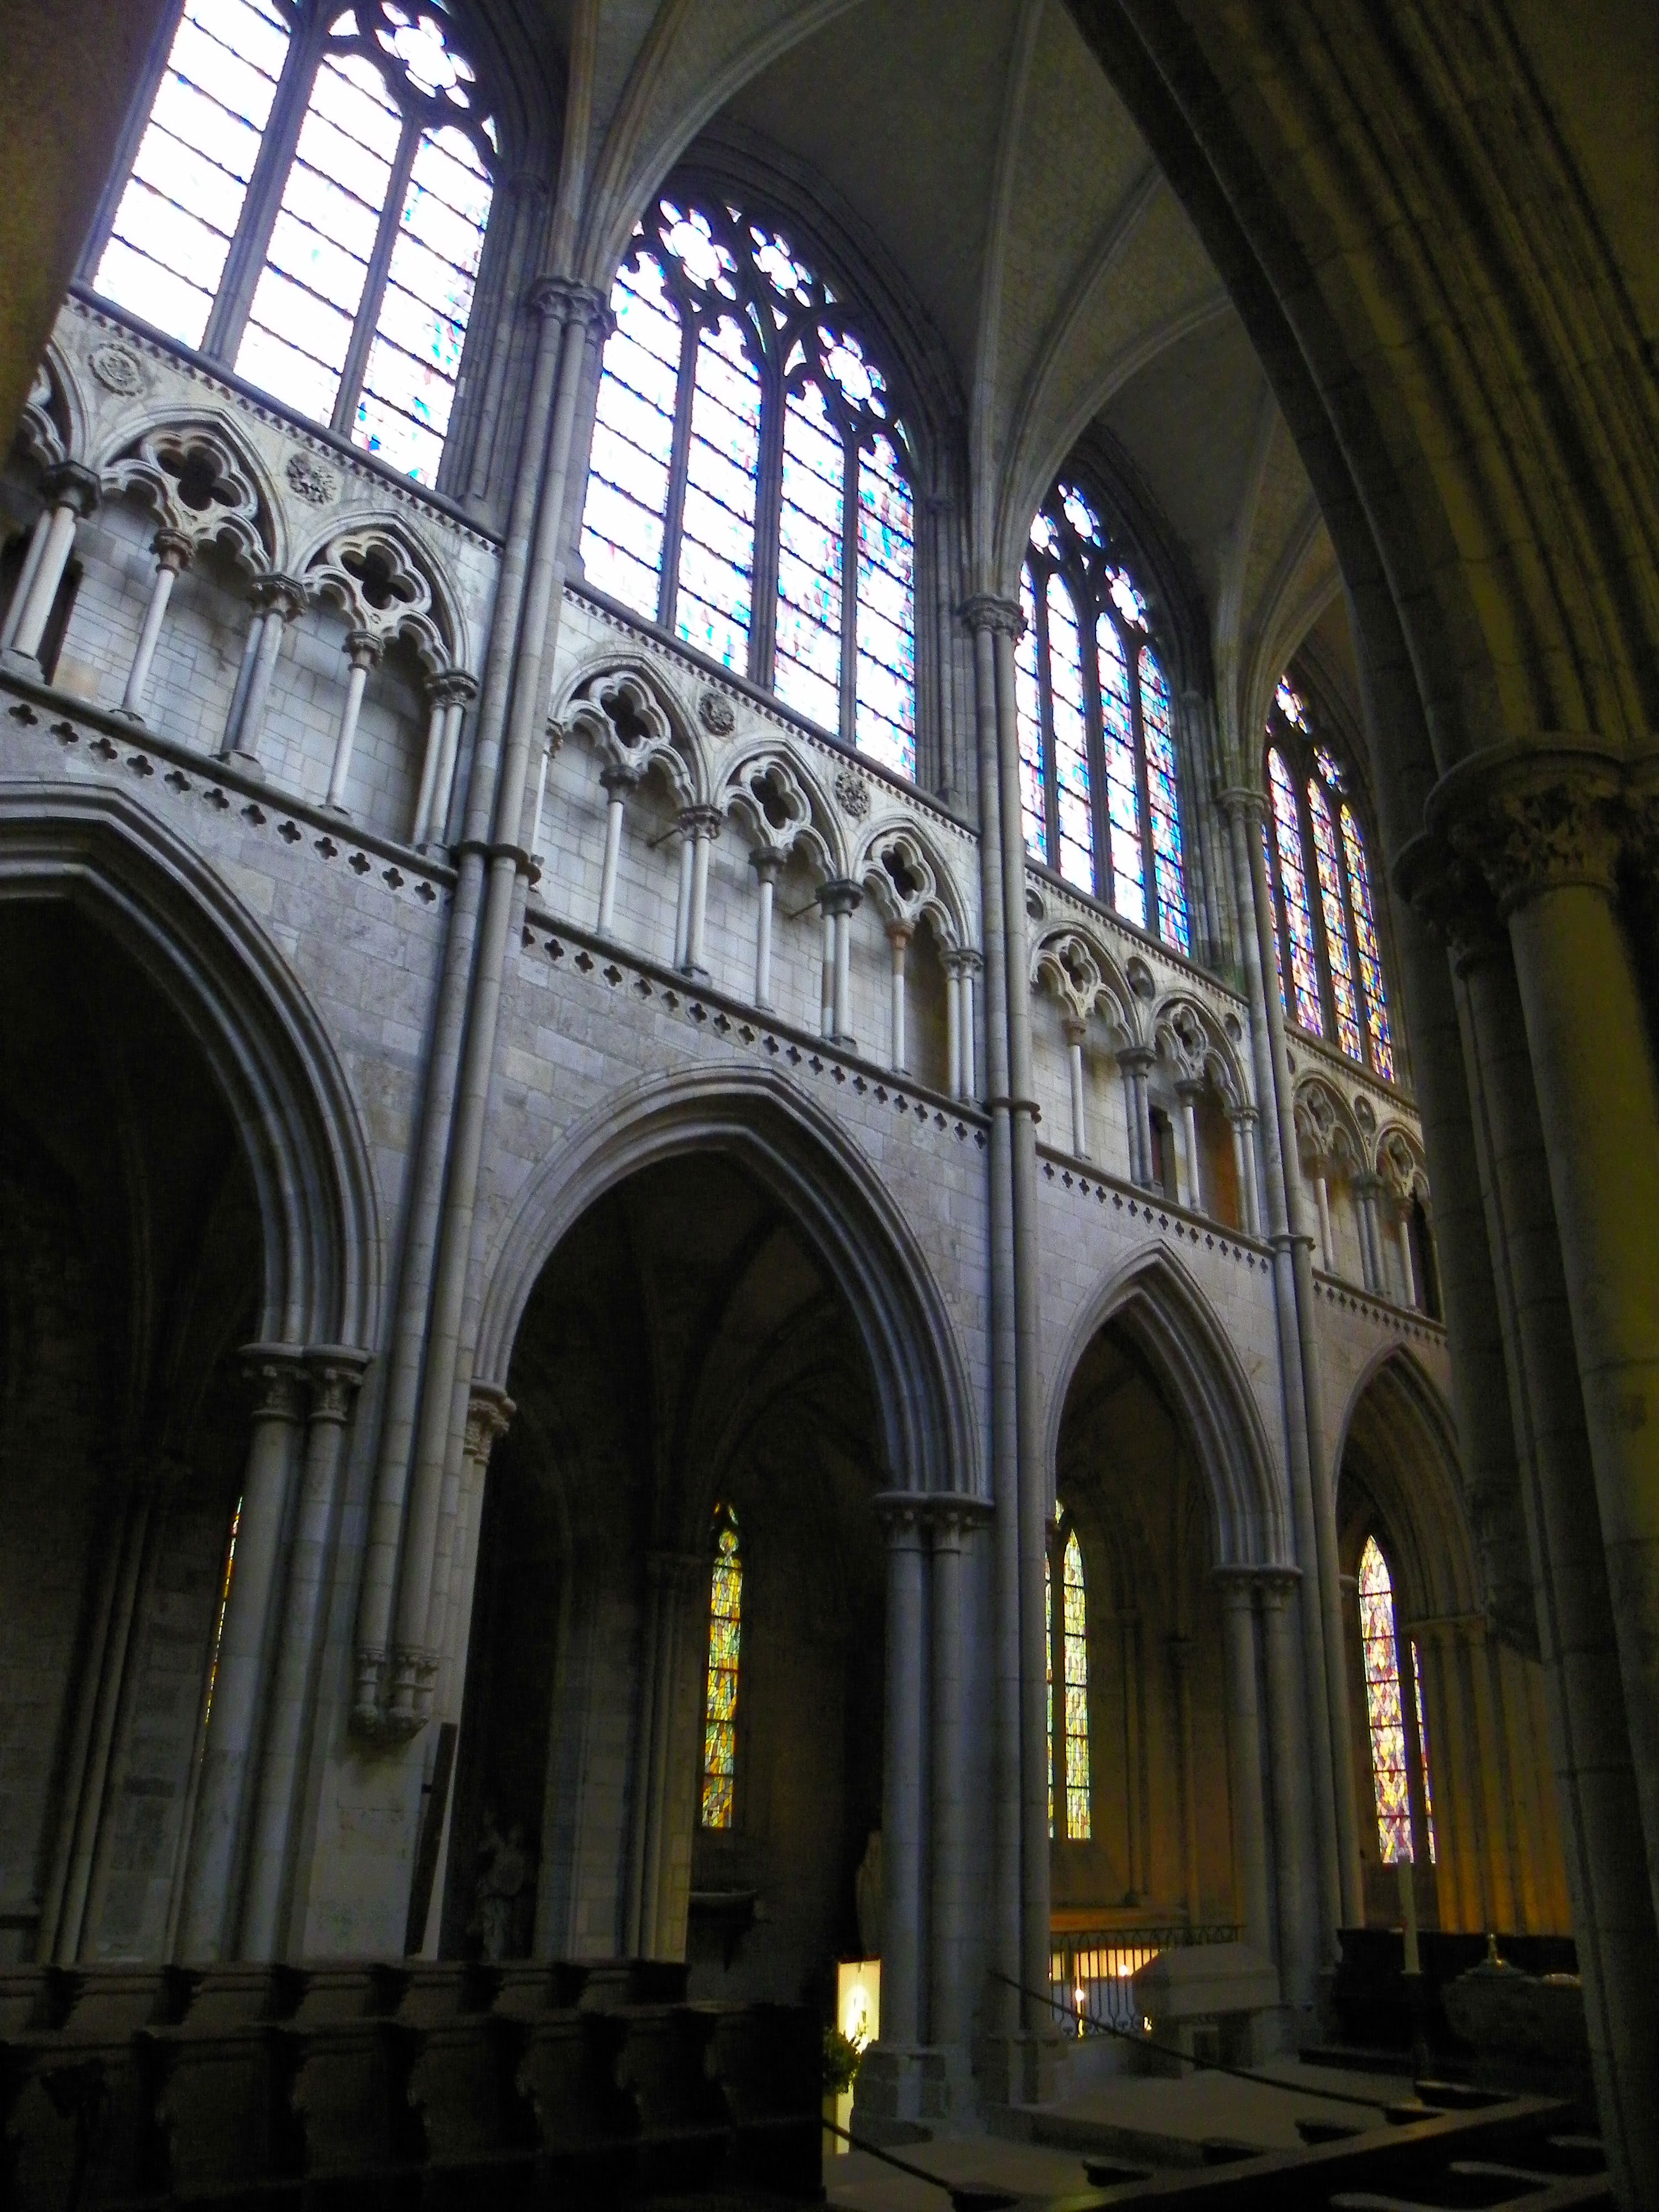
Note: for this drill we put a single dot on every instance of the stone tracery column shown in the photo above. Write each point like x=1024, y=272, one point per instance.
x=72, y=492
x=172, y=554
x=768, y=863
x=447, y=693
x=278, y=601
x=25, y=575
x=1189, y=1093
x=840, y=900
x=1076, y=1030
x=1136, y=1061
x=902, y=1514
x=1244, y=1763
x=700, y=826
x=899, y=934
x=362, y=652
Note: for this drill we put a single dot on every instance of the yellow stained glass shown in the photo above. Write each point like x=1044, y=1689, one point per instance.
x=1076, y=1662
x=720, y=1710
x=1382, y=1708
x=1048, y=1669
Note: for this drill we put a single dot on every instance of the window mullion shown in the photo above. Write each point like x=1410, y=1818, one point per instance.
x=679, y=463
x=233, y=302
x=768, y=521
x=380, y=262
x=1361, y=990
x=849, y=592
x=1093, y=717
x=1316, y=908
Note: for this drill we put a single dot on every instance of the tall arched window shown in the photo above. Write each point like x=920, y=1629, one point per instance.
x=307, y=206
x=720, y=1704
x=1386, y=1719
x=1099, y=790
x=1327, y=943
x=1068, y=1660
x=751, y=482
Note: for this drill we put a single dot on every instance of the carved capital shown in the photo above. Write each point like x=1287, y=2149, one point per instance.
x=451, y=687
x=962, y=960
x=70, y=485
x=1533, y=819
x=285, y=596
x=278, y=1374
x=561, y=299
x=489, y=1416
x=1239, y=798
x=903, y=1514
x=701, y=822
x=363, y=648
x=336, y=1370
x=840, y=895
x=172, y=550
x=1451, y=897
x=984, y=611
x=768, y=862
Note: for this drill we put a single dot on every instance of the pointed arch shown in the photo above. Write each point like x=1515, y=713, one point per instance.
x=928, y=1418
x=1399, y=1447
x=1155, y=1300
x=590, y=695
x=282, y=1080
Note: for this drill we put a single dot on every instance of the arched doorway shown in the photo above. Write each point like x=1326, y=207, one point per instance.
x=131, y=1271
x=675, y=1683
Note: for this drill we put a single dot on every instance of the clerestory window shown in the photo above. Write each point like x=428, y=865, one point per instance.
x=307, y=205
x=1069, y=1666
x=1326, y=943
x=720, y=1703
x=750, y=486
x=1099, y=788
x=1388, y=1716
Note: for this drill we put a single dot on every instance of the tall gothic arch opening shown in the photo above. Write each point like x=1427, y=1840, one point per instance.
x=674, y=1707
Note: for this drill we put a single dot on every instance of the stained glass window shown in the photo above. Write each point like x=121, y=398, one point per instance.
x=1293, y=895
x=1330, y=942
x=1168, y=873
x=719, y=1705
x=350, y=302
x=1370, y=955
x=1028, y=713
x=1334, y=914
x=1380, y=1644
x=1075, y=1643
x=1071, y=736
x=733, y=387
x=217, y=1643
x=1049, y=1671
x=1100, y=787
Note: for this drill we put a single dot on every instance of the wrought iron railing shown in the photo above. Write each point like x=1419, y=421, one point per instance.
x=1091, y=1969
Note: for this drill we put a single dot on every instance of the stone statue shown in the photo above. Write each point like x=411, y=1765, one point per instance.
x=503, y=1875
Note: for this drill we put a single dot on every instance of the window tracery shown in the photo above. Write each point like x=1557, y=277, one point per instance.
x=1068, y=1660
x=1099, y=785
x=720, y=1707
x=1326, y=945
x=308, y=205
x=750, y=486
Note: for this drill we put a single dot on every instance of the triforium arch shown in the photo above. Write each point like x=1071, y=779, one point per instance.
x=1470, y=1688
x=929, y=1431
x=282, y=1082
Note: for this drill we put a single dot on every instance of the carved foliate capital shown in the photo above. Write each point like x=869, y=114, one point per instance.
x=984, y=611
x=489, y=1416
x=334, y=1371
x=1240, y=799
x=71, y=485
x=1450, y=896
x=172, y=550
x=278, y=1374
x=278, y=594
x=451, y=687
x=561, y=299
x=1533, y=819
x=903, y=1514
x=840, y=895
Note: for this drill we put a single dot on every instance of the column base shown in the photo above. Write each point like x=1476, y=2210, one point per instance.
x=248, y=764
x=1030, y=2067
x=23, y=664
x=902, y=2090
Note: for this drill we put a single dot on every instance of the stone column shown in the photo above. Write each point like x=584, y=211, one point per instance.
x=1402, y=1233
x=616, y=782
x=840, y=900
x=447, y=695
x=1295, y=1873
x=768, y=864
x=173, y=552
x=951, y=2019
x=1076, y=1030
x=244, y=1653
x=1242, y=1120
x=362, y=651
x=953, y=1025
x=1368, y=1191
x=671, y=1577
x=899, y=934
x=1181, y=1663
x=20, y=594
x=71, y=492
x=278, y=601
x=902, y=2021
x=333, y=1376
x=1189, y=1093
x=961, y=966
x=1244, y=1759
x=700, y=825
x=1317, y=1176
x=1544, y=826
x=1136, y=1061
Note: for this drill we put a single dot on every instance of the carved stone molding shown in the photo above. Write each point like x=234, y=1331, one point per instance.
x=276, y=1372
x=119, y=369
x=852, y=793
x=984, y=611
x=717, y=713
x=312, y=480
x=1451, y=897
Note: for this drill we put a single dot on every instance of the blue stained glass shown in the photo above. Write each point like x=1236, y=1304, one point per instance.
x=1076, y=842
x=623, y=521
x=1169, y=873
x=1289, y=705
x=1341, y=959
x=1293, y=895
x=1081, y=516
x=1122, y=786
x=1278, y=956
x=1028, y=715
x=1371, y=953
x=808, y=652
x=884, y=706
x=717, y=550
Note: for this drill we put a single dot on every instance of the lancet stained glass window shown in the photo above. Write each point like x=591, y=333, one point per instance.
x=1074, y=1639
x=1327, y=943
x=1100, y=786
x=1379, y=1643
x=719, y=1705
x=307, y=204
x=750, y=483
x=1423, y=1750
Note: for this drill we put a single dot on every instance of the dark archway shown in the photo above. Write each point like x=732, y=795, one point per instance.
x=685, y=1348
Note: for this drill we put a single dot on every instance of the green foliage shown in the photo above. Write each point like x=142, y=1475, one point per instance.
x=841, y=2062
